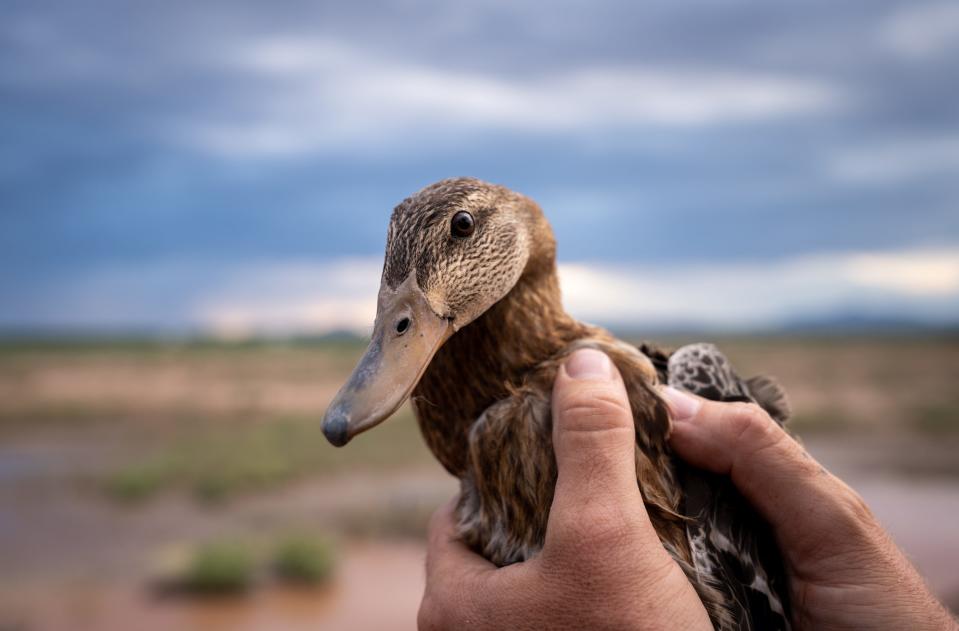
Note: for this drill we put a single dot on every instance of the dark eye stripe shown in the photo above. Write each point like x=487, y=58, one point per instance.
x=462, y=225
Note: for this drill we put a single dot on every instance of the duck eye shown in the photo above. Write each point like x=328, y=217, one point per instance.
x=462, y=225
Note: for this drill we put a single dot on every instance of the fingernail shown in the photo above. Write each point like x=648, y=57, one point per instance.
x=682, y=406
x=589, y=364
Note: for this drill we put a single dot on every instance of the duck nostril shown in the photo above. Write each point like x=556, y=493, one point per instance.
x=402, y=326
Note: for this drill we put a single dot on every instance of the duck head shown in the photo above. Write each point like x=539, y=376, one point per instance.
x=453, y=250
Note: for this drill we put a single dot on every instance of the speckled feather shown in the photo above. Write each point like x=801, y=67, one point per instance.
x=732, y=547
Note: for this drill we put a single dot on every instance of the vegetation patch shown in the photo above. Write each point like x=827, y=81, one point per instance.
x=235, y=565
x=215, y=463
x=138, y=481
x=937, y=419
x=220, y=567
x=304, y=559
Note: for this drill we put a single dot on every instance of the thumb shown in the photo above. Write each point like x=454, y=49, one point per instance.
x=594, y=439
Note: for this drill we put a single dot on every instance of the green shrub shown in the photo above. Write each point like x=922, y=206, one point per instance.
x=304, y=560
x=136, y=482
x=220, y=567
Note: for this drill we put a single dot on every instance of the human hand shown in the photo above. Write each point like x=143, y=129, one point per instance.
x=844, y=570
x=602, y=565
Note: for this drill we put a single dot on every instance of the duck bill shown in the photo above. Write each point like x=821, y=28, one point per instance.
x=406, y=335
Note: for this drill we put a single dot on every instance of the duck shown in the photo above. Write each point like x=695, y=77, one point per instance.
x=470, y=329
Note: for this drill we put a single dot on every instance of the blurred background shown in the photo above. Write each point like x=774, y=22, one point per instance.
x=193, y=206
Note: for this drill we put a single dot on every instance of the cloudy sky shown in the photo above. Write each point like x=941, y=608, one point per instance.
x=231, y=165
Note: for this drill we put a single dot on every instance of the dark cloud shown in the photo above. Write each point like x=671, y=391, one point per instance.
x=99, y=103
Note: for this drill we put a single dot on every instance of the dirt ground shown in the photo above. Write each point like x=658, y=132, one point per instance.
x=110, y=456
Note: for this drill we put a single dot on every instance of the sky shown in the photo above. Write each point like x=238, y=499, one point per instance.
x=230, y=166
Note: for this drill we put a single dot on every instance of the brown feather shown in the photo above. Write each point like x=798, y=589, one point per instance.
x=484, y=410
x=483, y=403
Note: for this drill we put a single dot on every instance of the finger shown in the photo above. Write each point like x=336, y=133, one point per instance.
x=774, y=473
x=462, y=587
x=594, y=439
x=446, y=556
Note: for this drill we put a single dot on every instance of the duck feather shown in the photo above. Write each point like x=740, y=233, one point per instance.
x=487, y=338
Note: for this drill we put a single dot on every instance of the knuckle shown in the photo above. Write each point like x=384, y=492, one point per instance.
x=854, y=508
x=434, y=613
x=750, y=424
x=597, y=408
x=427, y=618
x=442, y=598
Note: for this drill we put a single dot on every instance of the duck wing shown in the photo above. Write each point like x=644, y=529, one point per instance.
x=733, y=548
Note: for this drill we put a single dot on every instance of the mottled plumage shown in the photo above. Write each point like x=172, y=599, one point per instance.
x=732, y=548
x=489, y=333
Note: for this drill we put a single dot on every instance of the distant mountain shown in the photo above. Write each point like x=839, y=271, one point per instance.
x=852, y=322
x=841, y=323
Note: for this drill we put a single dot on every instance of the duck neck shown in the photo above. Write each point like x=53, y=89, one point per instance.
x=484, y=360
